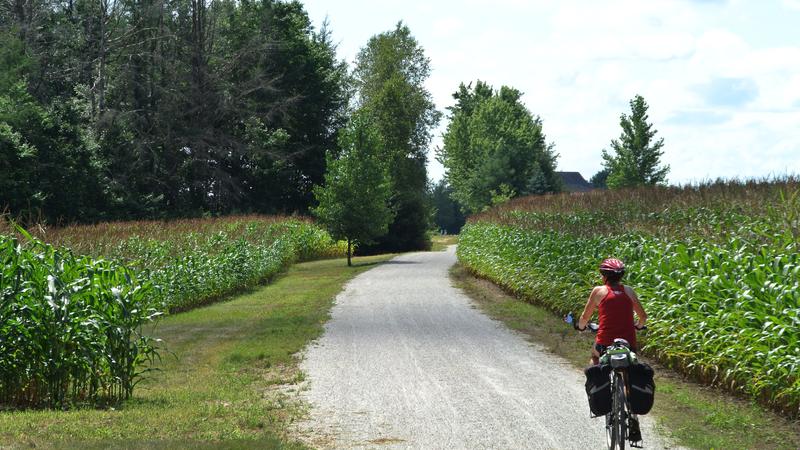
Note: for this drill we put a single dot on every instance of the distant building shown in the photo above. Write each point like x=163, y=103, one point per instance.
x=574, y=182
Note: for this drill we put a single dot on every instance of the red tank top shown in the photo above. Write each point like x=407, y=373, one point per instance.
x=615, y=314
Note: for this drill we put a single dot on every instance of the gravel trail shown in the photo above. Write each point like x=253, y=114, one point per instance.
x=406, y=361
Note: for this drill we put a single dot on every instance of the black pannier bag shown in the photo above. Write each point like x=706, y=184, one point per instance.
x=641, y=394
x=598, y=389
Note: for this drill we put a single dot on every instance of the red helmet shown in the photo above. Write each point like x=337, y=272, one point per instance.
x=612, y=265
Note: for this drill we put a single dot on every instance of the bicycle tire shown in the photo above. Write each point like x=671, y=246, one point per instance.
x=622, y=420
x=616, y=426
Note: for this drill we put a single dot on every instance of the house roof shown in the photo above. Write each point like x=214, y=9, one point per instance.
x=574, y=182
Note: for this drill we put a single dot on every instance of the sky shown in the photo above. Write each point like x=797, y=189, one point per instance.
x=721, y=77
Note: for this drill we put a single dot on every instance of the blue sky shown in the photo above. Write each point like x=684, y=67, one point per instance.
x=722, y=77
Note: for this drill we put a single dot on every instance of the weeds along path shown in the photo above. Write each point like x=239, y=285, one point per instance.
x=407, y=362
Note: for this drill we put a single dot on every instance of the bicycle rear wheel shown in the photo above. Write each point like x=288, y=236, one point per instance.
x=616, y=425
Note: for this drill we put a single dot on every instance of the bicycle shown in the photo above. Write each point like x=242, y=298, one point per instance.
x=619, y=358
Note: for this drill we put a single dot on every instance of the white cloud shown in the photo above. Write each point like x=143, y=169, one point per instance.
x=792, y=4
x=447, y=26
x=579, y=63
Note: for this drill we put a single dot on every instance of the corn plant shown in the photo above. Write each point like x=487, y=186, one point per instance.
x=719, y=279
x=70, y=327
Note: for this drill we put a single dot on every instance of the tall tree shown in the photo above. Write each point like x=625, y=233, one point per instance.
x=390, y=76
x=494, y=148
x=354, y=202
x=178, y=107
x=49, y=166
x=636, y=157
x=449, y=216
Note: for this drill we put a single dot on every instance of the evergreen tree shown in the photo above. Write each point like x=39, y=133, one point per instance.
x=636, y=156
x=354, y=202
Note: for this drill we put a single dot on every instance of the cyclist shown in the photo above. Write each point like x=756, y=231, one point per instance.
x=616, y=304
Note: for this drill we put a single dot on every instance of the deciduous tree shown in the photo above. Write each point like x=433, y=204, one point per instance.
x=354, y=201
x=449, y=216
x=494, y=148
x=390, y=76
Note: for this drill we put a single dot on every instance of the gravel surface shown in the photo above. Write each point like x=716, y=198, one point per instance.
x=406, y=361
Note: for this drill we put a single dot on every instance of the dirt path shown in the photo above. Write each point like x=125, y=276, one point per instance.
x=407, y=362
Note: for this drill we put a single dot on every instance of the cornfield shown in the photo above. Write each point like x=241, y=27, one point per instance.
x=71, y=327
x=717, y=268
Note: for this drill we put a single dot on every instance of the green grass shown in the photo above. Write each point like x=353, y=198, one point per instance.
x=440, y=242
x=695, y=416
x=223, y=378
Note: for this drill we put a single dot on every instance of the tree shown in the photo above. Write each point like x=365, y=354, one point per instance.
x=598, y=180
x=354, y=202
x=389, y=77
x=494, y=148
x=449, y=216
x=49, y=166
x=165, y=109
x=637, y=156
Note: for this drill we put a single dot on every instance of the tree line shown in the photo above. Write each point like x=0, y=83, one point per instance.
x=127, y=109
x=120, y=109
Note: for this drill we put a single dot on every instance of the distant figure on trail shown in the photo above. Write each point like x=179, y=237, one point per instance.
x=616, y=304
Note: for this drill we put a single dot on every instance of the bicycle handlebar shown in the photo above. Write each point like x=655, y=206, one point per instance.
x=591, y=326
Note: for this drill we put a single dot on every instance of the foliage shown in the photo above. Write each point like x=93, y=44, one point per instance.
x=191, y=262
x=599, y=179
x=48, y=160
x=449, y=217
x=216, y=384
x=636, y=156
x=710, y=262
x=354, y=202
x=390, y=76
x=494, y=146
x=70, y=327
x=148, y=109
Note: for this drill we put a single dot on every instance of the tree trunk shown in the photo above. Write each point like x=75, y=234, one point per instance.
x=349, y=264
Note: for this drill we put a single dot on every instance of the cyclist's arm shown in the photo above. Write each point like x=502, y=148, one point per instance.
x=637, y=307
x=591, y=305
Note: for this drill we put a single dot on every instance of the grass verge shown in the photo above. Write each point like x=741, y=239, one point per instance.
x=440, y=242
x=696, y=416
x=225, y=380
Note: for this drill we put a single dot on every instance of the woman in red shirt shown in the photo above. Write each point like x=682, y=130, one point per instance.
x=616, y=304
